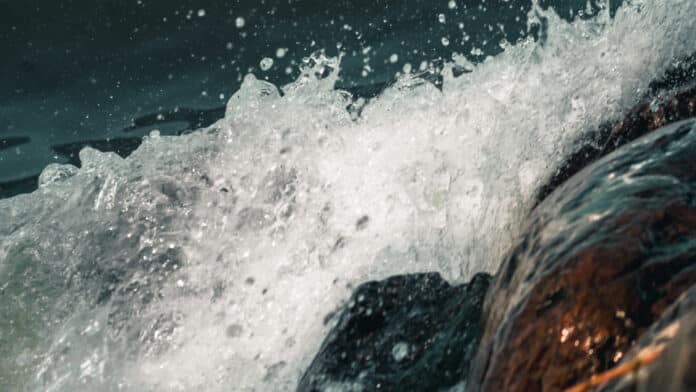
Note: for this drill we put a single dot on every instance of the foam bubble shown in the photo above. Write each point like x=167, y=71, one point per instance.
x=266, y=63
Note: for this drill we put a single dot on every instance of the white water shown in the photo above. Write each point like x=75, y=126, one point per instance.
x=445, y=178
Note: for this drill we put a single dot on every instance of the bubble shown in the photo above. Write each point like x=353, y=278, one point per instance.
x=393, y=58
x=201, y=13
x=441, y=18
x=399, y=351
x=281, y=52
x=452, y=4
x=266, y=63
x=239, y=22
x=445, y=41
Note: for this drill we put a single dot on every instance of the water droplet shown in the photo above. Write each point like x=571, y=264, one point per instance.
x=399, y=351
x=266, y=63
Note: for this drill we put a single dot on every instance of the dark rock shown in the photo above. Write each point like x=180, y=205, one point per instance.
x=682, y=73
x=601, y=259
x=406, y=333
x=661, y=108
x=675, y=369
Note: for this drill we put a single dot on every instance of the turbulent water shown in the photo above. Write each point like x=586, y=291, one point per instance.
x=210, y=261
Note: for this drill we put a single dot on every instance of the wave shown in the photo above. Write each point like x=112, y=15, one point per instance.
x=210, y=259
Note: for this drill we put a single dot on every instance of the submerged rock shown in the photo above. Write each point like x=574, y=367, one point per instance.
x=406, y=333
x=600, y=261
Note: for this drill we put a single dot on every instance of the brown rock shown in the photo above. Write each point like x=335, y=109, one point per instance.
x=660, y=110
x=601, y=259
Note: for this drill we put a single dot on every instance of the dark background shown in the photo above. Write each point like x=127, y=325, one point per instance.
x=78, y=72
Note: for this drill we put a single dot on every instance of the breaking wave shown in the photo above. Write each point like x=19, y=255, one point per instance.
x=212, y=259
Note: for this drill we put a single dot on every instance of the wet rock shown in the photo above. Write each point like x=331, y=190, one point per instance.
x=675, y=369
x=601, y=259
x=651, y=115
x=662, y=108
x=10, y=142
x=681, y=73
x=410, y=332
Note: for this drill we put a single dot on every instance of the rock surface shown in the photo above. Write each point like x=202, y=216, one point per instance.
x=664, y=108
x=602, y=258
x=675, y=369
x=406, y=333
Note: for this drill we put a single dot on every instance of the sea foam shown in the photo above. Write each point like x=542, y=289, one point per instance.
x=210, y=261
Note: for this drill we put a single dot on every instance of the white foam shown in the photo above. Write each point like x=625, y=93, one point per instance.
x=317, y=199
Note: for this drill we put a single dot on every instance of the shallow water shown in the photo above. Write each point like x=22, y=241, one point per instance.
x=210, y=260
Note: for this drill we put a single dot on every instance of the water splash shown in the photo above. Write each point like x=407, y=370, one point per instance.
x=209, y=261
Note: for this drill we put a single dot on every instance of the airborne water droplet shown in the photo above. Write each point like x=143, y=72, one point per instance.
x=400, y=351
x=266, y=63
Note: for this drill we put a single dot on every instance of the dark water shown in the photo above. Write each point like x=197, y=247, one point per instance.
x=80, y=73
